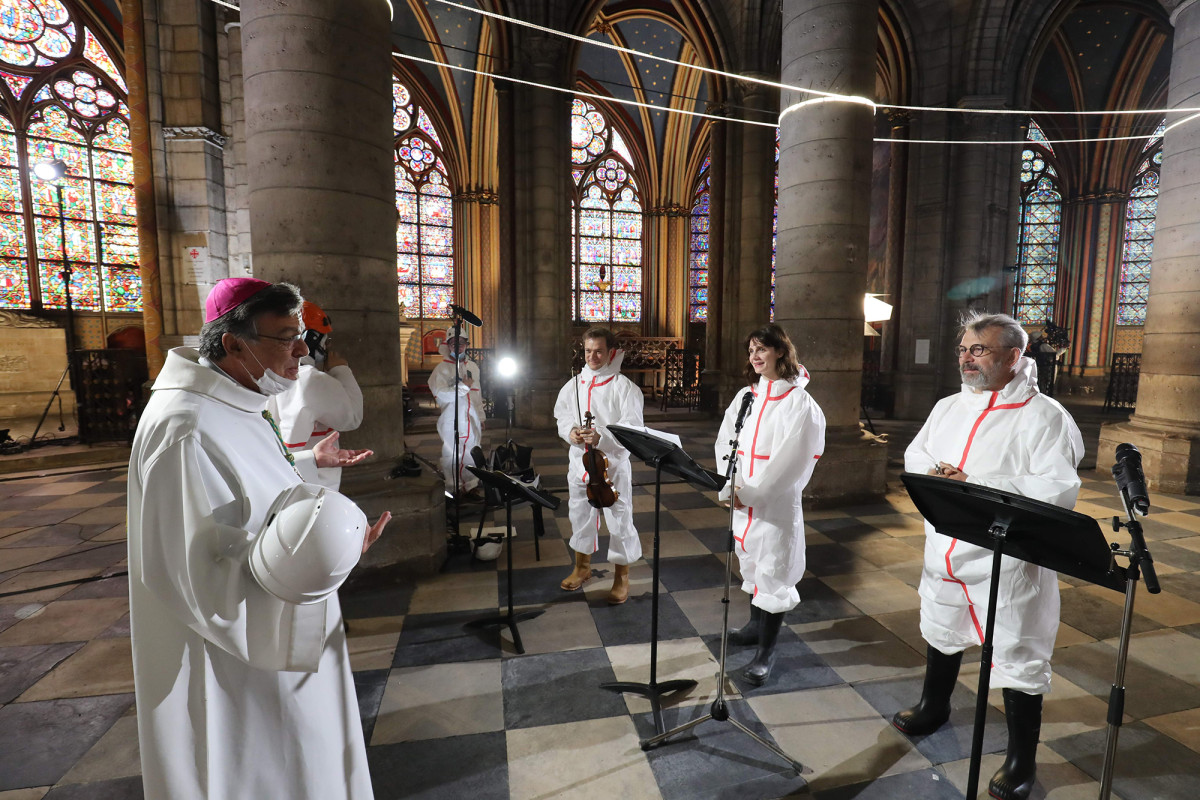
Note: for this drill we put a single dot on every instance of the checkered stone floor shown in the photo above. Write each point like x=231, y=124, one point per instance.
x=450, y=710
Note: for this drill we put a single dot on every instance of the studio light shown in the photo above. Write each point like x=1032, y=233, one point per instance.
x=875, y=310
x=507, y=367
x=50, y=170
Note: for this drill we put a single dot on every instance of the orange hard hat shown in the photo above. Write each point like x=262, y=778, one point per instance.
x=315, y=319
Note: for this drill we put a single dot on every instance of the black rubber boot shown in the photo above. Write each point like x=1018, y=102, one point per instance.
x=758, y=670
x=931, y=713
x=748, y=633
x=1015, y=778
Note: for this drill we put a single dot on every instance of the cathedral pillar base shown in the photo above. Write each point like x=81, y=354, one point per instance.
x=852, y=470
x=414, y=542
x=1170, y=454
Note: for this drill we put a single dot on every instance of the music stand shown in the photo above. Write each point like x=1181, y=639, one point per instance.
x=1008, y=524
x=669, y=457
x=509, y=489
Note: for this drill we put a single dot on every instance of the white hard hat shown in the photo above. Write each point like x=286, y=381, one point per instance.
x=488, y=548
x=312, y=539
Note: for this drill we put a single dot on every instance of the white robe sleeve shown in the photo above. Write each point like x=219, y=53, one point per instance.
x=918, y=458
x=334, y=398
x=1055, y=448
x=197, y=567
x=798, y=443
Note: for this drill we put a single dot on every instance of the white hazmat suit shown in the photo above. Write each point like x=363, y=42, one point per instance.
x=612, y=399
x=470, y=412
x=1017, y=440
x=319, y=404
x=239, y=694
x=781, y=441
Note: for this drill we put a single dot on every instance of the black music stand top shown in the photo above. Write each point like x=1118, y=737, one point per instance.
x=1040, y=533
x=510, y=486
x=656, y=451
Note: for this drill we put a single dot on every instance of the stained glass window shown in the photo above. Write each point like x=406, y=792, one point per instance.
x=75, y=112
x=606, y=222
x=425, y=228
x=698, y=261
x=1038, y=232
x=1140, y=210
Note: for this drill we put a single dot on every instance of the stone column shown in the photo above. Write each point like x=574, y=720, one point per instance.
x=821, y=263
x=745, y=299
x=1166, y=425
x=194, y=179
x=322, y=215
x=237, y=190
x=535, y=259
x=143, y=182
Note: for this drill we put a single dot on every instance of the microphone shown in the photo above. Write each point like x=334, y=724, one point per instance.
x=747, y=401
x=1130, y=478
x=466, y=316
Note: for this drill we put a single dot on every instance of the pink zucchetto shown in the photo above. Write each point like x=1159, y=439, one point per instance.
x=228, y=294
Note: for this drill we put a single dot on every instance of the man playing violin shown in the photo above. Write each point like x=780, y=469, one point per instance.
x=597, y=397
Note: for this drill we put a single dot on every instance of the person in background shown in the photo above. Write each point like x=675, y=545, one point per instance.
x=457, y=455
x=325, y=399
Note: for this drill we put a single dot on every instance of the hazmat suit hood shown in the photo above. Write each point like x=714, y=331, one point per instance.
x=613, y=367
x=1022, y=387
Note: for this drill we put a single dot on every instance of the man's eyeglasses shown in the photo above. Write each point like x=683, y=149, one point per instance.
x=976, y=350
x=286, y=340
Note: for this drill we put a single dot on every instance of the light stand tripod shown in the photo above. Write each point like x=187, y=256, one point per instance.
x=1128, y=472
x=719, y=710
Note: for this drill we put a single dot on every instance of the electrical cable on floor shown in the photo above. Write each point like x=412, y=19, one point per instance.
x=60, y=584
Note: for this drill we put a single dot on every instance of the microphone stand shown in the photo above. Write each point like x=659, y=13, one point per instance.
x=719, y=710
x=1140, y=561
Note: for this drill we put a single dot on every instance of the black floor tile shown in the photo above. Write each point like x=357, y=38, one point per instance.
x=819, y=603
x=542, y=585
x=1149, y=692
x=40, y=742
x=951, y=742
x=369, y=686
x=830, y=559
x=376, y=601
x=22, y=667
x=455, y=768
x=692, y=572
x=926, y=784
x=558, y=687
x=796, y=666
x=717, y=760
x=629, y=623
x=119, y=789
x=1147, y=765
x=1098, y=618
x=441, y=638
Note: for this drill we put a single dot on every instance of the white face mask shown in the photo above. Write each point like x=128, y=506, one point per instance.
x=270, y=383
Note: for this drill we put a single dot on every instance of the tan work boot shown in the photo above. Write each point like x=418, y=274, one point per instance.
x=620, y=587
x=579, y=575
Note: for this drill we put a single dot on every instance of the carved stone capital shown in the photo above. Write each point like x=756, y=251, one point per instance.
x=195, y=133
x=19, y=319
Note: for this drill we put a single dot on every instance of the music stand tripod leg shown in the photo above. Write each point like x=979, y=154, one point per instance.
x=1116, y=695
x=999, y=531
x=653, y=691
x=509, y=618
x=719, y=710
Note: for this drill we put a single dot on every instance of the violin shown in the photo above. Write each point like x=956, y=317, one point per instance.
x=600, y=492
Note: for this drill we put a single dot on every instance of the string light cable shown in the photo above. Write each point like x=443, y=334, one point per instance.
x=835, y=95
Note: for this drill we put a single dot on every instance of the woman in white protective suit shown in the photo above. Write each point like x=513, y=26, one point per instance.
x=782, y=437
x=455, y=455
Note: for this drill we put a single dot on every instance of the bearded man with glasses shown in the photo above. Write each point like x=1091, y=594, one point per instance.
x=1000, y=432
